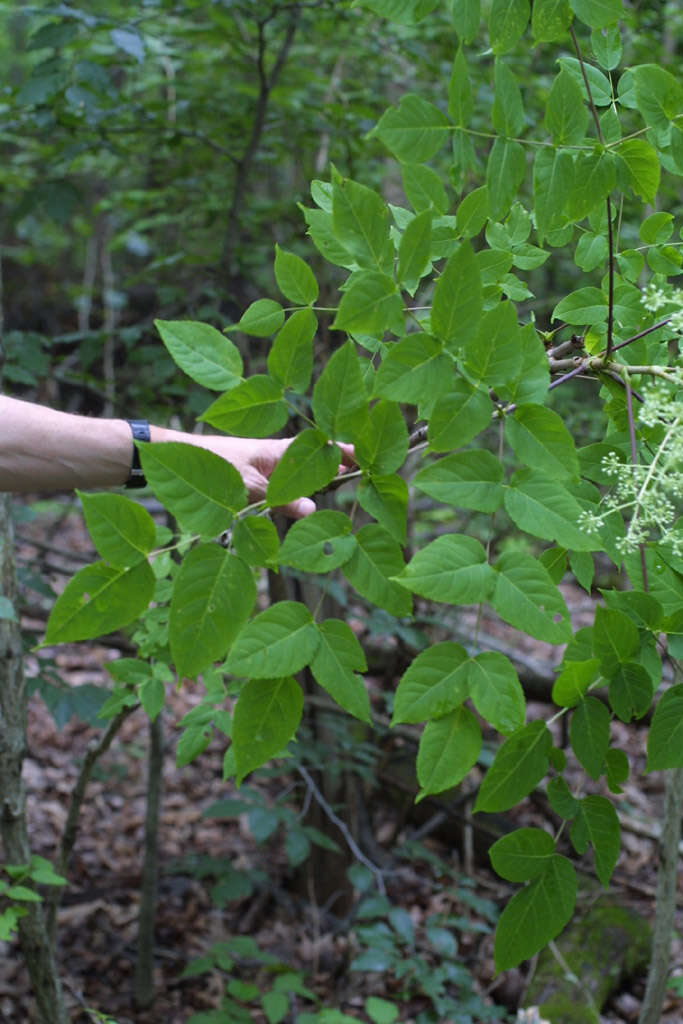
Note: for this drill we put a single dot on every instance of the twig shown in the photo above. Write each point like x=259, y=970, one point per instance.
x=343, y=828
x=95, y=750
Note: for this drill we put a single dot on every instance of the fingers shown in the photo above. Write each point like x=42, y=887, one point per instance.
x=298, y=509
x=348, y=460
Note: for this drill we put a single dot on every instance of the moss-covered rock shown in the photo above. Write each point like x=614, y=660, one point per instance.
x=605, y=946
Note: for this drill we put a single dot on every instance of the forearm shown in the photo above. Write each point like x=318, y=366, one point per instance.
x=41, y=449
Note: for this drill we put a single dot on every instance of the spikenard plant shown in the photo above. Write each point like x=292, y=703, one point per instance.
x=438, y=340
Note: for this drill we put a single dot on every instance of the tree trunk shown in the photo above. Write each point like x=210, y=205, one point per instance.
x=35, y=944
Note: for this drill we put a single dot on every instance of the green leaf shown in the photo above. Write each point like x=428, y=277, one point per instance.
x=545, y=508
x=414, y=251
x=597, y=822
x=261, y=319
x=361, y=223
x=656, y=228
x=370, y=305
x=466, y=17
x=22, y=894
x=593, y=179
x=424, y=188
x=457, y=304
x=493, y=356
x=529, y=381
x=213, y=596
x=266, y=718
x=553, y=181
x=555, y=561
x=507, y=21
x=290, y=360
x=607, y=47
x=598, y=13
x=252, y=409
x=123, y=532
x=295, y=279
x=100, y=599
x=452, y=569
x=198, y=487
x=471, y=479
x=473, y=212
x=630, y=691
x=641, y=164
x=255, y=539
x=496, y=691
x=414, y=367
x=523, y=854
x=585, y=306
x=504, y=174
x=460, y=104
x=615, y=639
x=339, y=398
x=540, y=440
x=152, y=697
x=376, y=558
x=665, y=742
x=385, y=498
x=561, y=799
x=334, y=667
x=600, y=85
x=550, y=20
x=536, y=914
x=382, y=445
x=320, y=229
x=589, y=735
x=582, y=565
x=566, y=116
x=591, y=251
x=459, y=416
x=518, y=767
x=659, y=95
x=414, y=131
x=449, y=747
x=573, y=681
x=433, y=685
x=202, y=352
x=282, y=639
x=319, y=543
x=307, y=465
x=508, y=109
x=526, y=597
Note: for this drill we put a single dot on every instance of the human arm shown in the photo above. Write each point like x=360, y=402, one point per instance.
x=42, y=449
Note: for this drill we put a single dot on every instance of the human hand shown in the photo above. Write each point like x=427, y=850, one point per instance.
x=256, y=458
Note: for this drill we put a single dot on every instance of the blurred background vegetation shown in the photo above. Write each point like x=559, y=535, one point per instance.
x=154, y=153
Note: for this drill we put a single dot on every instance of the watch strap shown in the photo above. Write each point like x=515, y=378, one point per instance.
x=140, y=430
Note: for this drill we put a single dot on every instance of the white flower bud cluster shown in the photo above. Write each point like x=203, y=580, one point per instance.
x=659, y=297
x=530, y=1016
x=651, y=492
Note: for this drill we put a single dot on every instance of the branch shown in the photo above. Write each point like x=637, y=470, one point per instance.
x=96, y=748
x=343, y=828
x=610, y=234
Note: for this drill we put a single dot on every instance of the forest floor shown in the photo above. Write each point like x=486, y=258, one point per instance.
x=97, y=922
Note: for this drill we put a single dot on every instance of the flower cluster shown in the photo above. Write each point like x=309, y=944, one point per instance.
x=663, y=297
x=651, y=492
x=530, y=1016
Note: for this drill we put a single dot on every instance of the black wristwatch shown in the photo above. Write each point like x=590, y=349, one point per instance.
x=136, y=477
